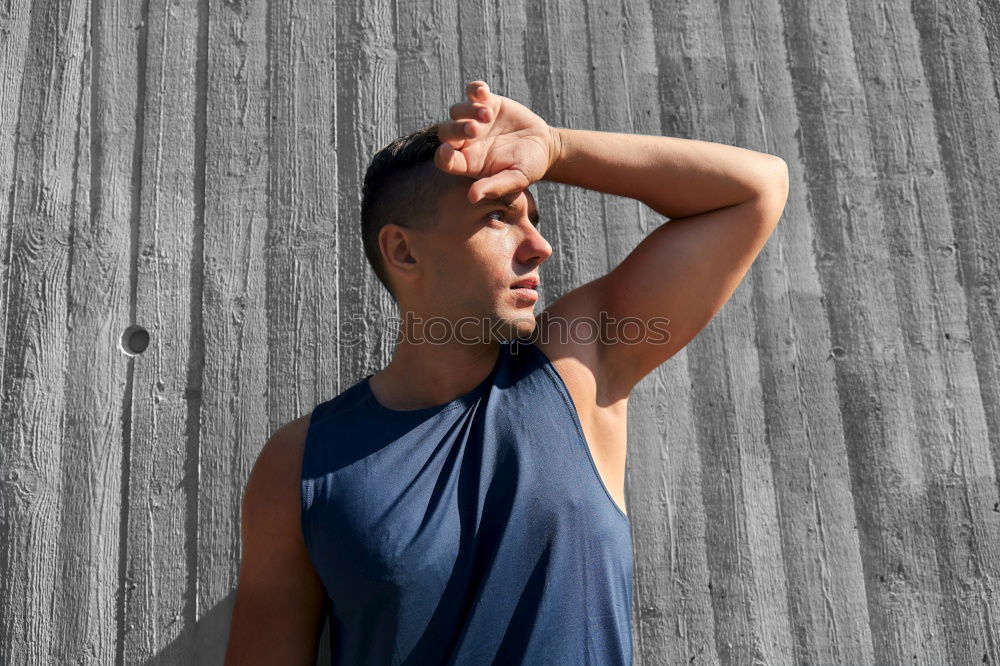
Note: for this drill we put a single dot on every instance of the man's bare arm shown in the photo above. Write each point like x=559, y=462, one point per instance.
x=278, y=613
x=673, y=176
x=724, y=203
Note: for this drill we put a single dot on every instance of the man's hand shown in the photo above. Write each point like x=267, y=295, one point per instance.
x=497, y=141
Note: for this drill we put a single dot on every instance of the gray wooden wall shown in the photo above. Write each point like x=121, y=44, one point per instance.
x=812, y=480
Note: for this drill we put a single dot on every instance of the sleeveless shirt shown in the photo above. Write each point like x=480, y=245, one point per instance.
x=473, y=532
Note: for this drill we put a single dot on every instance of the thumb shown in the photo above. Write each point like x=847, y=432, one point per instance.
x=497, y=185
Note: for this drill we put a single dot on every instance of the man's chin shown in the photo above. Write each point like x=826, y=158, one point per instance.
x=508, y=326
x=521, y=326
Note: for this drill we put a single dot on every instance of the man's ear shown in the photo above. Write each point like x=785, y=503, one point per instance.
x=398, y=251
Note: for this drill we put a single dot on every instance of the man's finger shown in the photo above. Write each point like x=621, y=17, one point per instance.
x=453, y=133
x=498, y=185
x=450, y=160
x=467, y=110
x=474, y=94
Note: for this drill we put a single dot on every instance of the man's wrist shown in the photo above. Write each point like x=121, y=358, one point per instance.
x=555, y=150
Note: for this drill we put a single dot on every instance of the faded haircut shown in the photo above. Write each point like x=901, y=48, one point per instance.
x=402, y=186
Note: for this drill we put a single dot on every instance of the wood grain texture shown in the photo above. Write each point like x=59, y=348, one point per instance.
x=822, y=563
x=812, y=480
x=951, y=421
x=161, y=554
x=13, y=54
x=233, y=415
x=41, y=208
x=746, y=584
x=367, y=119
x=875, y=400
x=90, y=612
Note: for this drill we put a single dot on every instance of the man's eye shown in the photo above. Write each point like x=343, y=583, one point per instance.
x=502, y=213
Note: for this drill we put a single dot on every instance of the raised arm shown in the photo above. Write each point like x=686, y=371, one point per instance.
x=723, y=201
x=278, y=614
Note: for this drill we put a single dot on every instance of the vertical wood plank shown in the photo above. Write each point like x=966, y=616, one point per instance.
x=675, y=621
x=888, y=481
x=13, y=53
x=160, y=602
x=97, y=370
x=429, y=67
x=302, y=303
x=366, y=121
x=493, y=46
x=41, y=207
x=947, y=256
x=743, y=547
x=826, y=606
x=960, y=56
x=301, y=240
x=234, y=422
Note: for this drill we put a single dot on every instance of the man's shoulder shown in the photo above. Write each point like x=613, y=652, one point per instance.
x=290, y=438
x=275, y=474
x=287, y=444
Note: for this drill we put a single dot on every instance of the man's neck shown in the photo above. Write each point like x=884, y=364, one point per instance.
x=425, y=374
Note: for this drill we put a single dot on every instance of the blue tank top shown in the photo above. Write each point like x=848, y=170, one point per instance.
x=474, y=532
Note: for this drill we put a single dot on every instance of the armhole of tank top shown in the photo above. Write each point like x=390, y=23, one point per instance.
x=305, y=489
x=581, y=436
x=304, y=518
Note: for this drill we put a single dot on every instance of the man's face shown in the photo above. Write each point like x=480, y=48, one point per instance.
x=473, y=256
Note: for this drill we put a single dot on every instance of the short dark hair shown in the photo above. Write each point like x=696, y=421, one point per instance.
x=401, y=186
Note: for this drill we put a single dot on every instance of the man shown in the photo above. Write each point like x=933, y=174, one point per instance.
x=466, y=504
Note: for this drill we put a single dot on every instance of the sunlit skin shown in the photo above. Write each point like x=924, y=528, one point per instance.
x=460, y=270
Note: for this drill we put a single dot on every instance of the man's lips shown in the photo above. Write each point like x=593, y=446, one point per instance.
x=529, y=283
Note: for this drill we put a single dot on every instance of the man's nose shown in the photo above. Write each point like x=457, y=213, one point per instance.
x=534, y=247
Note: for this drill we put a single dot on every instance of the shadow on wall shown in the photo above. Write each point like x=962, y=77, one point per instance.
x=209, y=636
